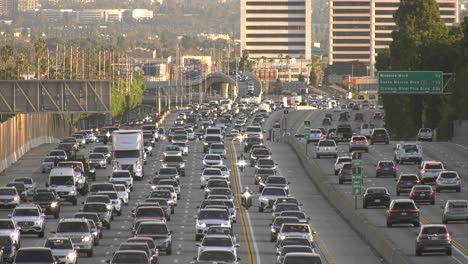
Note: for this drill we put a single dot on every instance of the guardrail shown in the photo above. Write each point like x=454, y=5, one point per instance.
x=372, y=234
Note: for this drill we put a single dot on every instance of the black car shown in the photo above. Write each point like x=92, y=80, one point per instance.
x=376, y=196
x=422, y=194
x=402, y=211
x=49, y=203
x=250, y=141
x=386, y=168
x=379, y=135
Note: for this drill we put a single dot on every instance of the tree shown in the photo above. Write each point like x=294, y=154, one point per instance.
x=6, y=52
x=245, y=64
x=40, y=47
x=316, y=71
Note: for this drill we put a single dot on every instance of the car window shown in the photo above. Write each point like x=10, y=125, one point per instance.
x=403, y=206
x=434, y=230
x=448, y=175
x=327, y=143
x=433, y=166
x=458, y=204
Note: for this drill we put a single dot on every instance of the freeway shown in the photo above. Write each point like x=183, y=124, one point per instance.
x=404, y=236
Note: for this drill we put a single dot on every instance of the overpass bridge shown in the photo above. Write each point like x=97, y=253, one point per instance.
x=214, y=85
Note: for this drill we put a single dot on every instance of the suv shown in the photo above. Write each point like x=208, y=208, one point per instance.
x=79, y=231
x=9, y=197
x=425, y=134
x=268, y=197
x=9, y=228
x=433, y=238
x=29, y=218
x=406, y=182
x=455, y=210
x=406, y=151
x=326, y=147
x=339, y=162
x=429, y=170
x=376, y=196
x=402, y=211
x=344, y=132
x=49, y=202
x=210, y=217
x=386, y=168
x=358, y=143
x=63, y=249
x=174, y=161
x=33, y=254
x=159, y=232
x=448, y=180
x=345, y=173
x=210, y=139
x=102, y=210
x=122, y=176
x=379, y=135
x=422, y=194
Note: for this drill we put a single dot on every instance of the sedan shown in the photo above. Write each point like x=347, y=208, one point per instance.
x=280, y=256
x=422, y=194
x=376, y=196
x=130, y=257
x=223, y=242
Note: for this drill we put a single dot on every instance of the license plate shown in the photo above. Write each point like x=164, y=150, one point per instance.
x=423, y=194
x=433, y=238
x=377, y=200
x=403, y=213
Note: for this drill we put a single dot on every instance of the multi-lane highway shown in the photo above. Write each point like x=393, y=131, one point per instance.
x=453, y=155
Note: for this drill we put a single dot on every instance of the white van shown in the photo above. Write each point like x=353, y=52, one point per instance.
x=63, y=181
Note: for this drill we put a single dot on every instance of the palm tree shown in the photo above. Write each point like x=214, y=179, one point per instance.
x=40, y=47
x=6, y=52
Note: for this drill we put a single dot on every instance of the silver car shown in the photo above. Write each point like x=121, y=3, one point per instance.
x=224, y=242
x=218, y=148
x=448, y=180
x=123, y=192
x=455, y=210
x=79, y=231
x=9, y=197
x=30, y=219
x=9, y=228
x=62, y=249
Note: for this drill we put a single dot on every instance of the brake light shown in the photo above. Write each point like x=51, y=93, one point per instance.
x=394, y=168
x=413, y=211
x=353, y=142
x=366, y=141
x=378, y=168
x=412, y=194
x=423, y=171
x=393, y=211
x=447, y=234
x=432, y=193
x=417, y=181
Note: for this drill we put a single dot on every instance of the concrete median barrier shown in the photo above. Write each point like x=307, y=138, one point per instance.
x=370, y=233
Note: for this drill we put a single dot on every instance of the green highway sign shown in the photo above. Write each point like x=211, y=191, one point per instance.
x=306, y=133
x=357, y=163
x=410, y=82
x=357, y=191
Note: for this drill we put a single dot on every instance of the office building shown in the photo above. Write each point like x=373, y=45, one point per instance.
x=276, y=28
x=359, y=29
x=7, y=7
x=27, y=5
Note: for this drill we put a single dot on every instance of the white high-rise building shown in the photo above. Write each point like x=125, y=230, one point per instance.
x=275, y=28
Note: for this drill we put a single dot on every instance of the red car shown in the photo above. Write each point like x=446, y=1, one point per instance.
x=359, y=117
x=378, y=115
x=149, y=213
x=153, y=249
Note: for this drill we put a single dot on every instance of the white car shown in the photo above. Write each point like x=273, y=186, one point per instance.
x=172, y=182
x=115, y=199
x=212, y=159
x=190, y=134
x=183, y=147
x=123, y=192
x=224, y=170
x=30, y=219
x=218, y=148
x=339, y=162
x=207, y=174
x=425, y=134
x=326, y=147
x=62, y=249
x=315, y=135
x=169, y=188
x=429, y=171
x=172, y=150
x=9, y=228
x=123, y=177
x=221, y=242
x=448, y=180
x=295, y=230
x=210, y=217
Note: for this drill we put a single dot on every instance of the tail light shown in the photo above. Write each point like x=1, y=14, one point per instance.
x=418, y=181
x=412, y=194
x=378, y=168
x=447, y=234
x=353, y=142
x=394, y=168
x=366, y=141
x=393, y=211
x=423, y=171
x=432, y=193
x=413, y=211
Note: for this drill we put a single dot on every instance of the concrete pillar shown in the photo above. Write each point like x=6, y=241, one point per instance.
x=225, y=90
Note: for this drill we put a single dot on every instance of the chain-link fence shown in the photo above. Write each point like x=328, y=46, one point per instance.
x=23, y=132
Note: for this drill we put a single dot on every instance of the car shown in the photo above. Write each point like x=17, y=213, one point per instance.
x=366, y=129
x=159, y=232
x=346, y=172
x=8, y=248
x=358, y=143
x=293, y=241
x=183, y=147
x=163, y=203
x=268, y=196
x=103, y=150
x=402, y=211
x=63, y=249
x=212, y=159
x=287, y=250
x=210, y=139
x=168, y=173
x=326, y=121
x=170, y=182
x=140, y=246
x=30, y=219
x=377, y=115
x=20, y=187
x=262, y=174
x=448, y=180
x=174, y=161
x=207, y=174
x=385, y=168
x=405, y=183
x=49, y=203
x=408, y=152
x=295, y=230
x=218, y=148
x=29, y=184
x=379, y=135
x=275, y=181
x=422, y=194
x=130, y=257
x=166, y=195
x=279, y=208
x=455, y=210
x=343, y=132
x=315, y=135
x=358, y=117
x=29, y=255
x=433, y=238
x=79, y=231
x=154, y=251
x=123, y=177
x=258, y=153
x=97, y=160
x=115, y=200
x=376, y=196
x=103, y=210
x=101, y=187
x=425, y=134
x=339, y=163
x=303, y=218
x=276, y=225
x=123, y=192
x=95, y=219
x=326, y=147
x=210, y=217
x=302, y=257
x=168, y=188
x=216, y=256
x=212, y=183
x=265, y=164
x=48, y=163
x=59, y=154
x=9, y=228
x=9, y=197
x=223, y=242
x=430, y=170
x=149, y=138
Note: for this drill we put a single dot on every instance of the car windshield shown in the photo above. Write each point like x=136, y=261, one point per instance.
x=380, y=132
x=149, y=212
x=120, y=174
x=386, y=164
x=130, y=258
x=135, y=246
x=26, y=212
x=98, y=199
x=25, y=256
x=360, y=138
x=18, y=185
x=173, y=159
x=220, y=256
x=286, y=207
x=276, y=180
x=56, y=153
x=218, y=214
x=262, y=152
x=213, y=157
x=112, y=195
x=217, y=146
x=409, y=178
x=7, y=224
x=101, y=150
x=102, y=187
x=167, y=171
x=220, y=191
x=217, y=184
x=327, y=143
x=156, y=229
x=180, y=144
x=217, y=242
x=58, y=244
x=302, y=260
x=73, y=227
x=458, y=204
x=295, y=228
x=426, y=130
x=44, y=197
x=150, y=136
x=434, y=230
x=7, y=191
x=254, y=129
x=296, y=249
x=95, y=208
x=161, y=202
x=126, y=154
x=422, y=188
x=376, y=191
x=265, y=172
x=49, y=159
x=90, y=216
x=264, y=162
x=161, y=194
x=211, y=172
x=274, y=192
x=410, y=148
x=96, y=156
x=342, y=160
x=298, y=214
x=295, y=241
x=24, y=180
x=282, y=220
